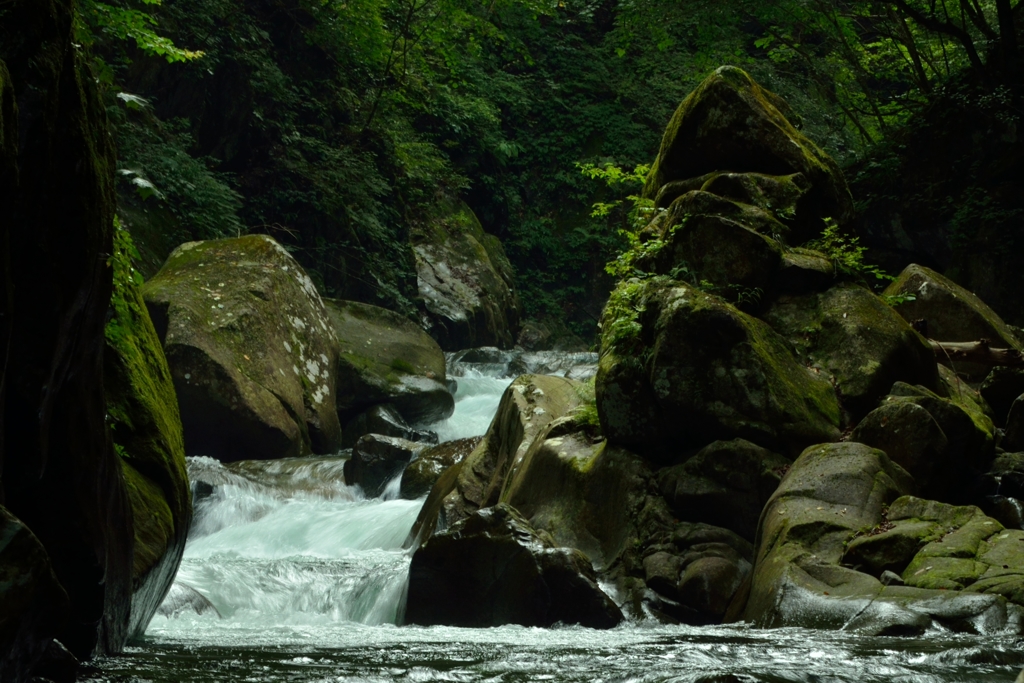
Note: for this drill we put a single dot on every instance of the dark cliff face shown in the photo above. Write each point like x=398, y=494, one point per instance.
x=59, y=473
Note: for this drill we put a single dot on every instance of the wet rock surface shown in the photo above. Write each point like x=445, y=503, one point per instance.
x=493, y=568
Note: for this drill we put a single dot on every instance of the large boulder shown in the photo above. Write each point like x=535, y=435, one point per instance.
x=730, y=123
x=60, y=476
x=528, y=405
x=858, y=340
x=726, y=484
x=33, y=603
x=493, y=568
x=730, y=246
x=251, y=349
x=834, y=509
x=386, y=358
x=944, y=443
x=147, y=435
x=466, y=282
x=681, y=368
x=952, y=313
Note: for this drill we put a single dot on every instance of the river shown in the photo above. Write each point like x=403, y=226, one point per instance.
x=309, y=581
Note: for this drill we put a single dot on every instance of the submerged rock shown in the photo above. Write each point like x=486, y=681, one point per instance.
x=681, y=368
x=251, y=349
x=731, y=123
x=386, y=358
x=466, y=282
x=182, y=598
x=493, y=568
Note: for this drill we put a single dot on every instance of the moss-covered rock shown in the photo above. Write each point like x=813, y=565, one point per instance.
x=726, y=484
x=147, y=435
x=466, y=282
x=385, y=358
x=952, y=313
x=970, y=436
x=804, y=270
x=858, y=341
x=680, y=368
x=1000, y=389
x=251, y=349
x=830, y=493
x=60, y=476
x=729, y=252
x=842, y=504
x=33, y=603
x=493, y=568
x=911, y=437
x=730, y=123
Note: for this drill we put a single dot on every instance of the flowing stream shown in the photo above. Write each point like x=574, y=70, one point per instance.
x=308, y=580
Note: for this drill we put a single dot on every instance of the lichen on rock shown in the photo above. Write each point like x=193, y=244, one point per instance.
x=251, y=348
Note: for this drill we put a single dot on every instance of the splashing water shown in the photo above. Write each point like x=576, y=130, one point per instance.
x=309, y=579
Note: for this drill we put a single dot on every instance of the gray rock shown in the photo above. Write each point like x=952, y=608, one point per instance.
x=383, y=419
x=376, y=460
x=183, y=598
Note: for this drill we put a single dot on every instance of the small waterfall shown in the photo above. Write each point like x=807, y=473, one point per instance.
x=286, y=543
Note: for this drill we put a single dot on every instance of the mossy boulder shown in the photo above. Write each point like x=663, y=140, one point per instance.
x=680, y=368
x=913, y=439
x=952, y=313
x=719, y=242
x=730, y=123
x=851, y=336
x=588, y=494
x=423, y=472
x=830, y=493
x=802, y=271
x=386, y=358
x=845, y=504
x=465, y=281
x=147, y=434
x=1000, y=389
x=33, y=603
x=493, y=568
x=726, y=484
x=251, y=349
x=970, y=436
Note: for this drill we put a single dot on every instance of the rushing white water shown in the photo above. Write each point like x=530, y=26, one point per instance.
x=309, y=579
x=476, y=401
x=287, y=543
